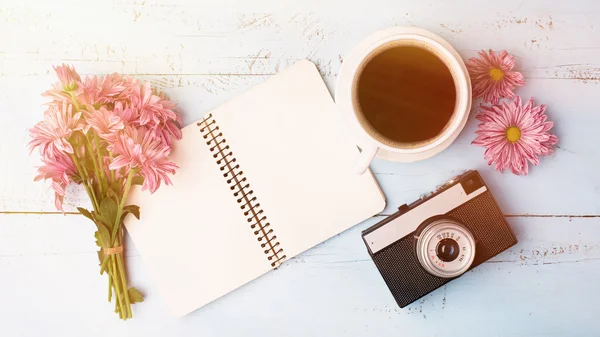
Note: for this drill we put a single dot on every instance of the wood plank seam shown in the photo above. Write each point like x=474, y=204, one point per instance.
x=375, y=216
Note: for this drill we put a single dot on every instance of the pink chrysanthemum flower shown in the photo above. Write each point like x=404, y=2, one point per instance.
x=143, y=99
x=69, y=82
x=125, y=113
x=61, y=170
x=492, y=76
x=107, y=123
x=514, y=134
x=97, y=90
x=52, y=134
x=170, y=127
x=68, y=77
x=137, y=148
x=165, y=131
x=151, y=106
x=156, y=111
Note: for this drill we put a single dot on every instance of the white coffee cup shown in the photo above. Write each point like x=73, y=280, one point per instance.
x=369, y=143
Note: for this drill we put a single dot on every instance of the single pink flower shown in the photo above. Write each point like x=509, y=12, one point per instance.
x=492, y=76
x=150, y=106
x=125, y=113
x=61, y=170
x=146, y=103
x=53, y=133
x=97, y=90
x=69, y=82
x=107, y=123
x=68, y=77
x=172, y=125
x=137, y=148
x=156, y=111
x=514, y=134
x=58, y=95
x=165, y=131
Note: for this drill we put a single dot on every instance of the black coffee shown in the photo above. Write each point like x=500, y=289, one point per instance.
x=406, y=94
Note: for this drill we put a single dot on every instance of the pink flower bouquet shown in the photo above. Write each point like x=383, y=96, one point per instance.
x=107, y=134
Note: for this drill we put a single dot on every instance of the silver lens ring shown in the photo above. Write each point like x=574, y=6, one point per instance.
x=443, y=231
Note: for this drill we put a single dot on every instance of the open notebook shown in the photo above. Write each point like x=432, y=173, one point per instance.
x=262, y=178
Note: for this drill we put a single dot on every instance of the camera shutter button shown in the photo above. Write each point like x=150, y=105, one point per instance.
x=403, y=209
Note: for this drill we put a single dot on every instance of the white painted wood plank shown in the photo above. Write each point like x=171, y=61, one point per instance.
x=546, y=285
x=227, y=37
x=210, y=37
x=564, y=183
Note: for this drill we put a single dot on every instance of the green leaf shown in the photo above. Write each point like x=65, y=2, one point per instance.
x=102, y=236
x=133, y=209
x=137, y=180
x=85, y=213
x=98, y=239
x=110, y=193
x=135, y=296
x=77, y=139
x=108, y=212
x=101, y=255
x=116, y=187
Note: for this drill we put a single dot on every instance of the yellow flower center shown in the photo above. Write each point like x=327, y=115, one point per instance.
x=513, y=134
x=496, y=74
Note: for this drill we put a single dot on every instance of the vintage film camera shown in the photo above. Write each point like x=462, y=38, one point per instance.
x=437, y=238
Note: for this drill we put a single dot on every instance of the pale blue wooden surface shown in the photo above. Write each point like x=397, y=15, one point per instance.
x=202, y=53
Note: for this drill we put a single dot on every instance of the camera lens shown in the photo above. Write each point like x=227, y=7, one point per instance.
x=447, y=250
x=445, y=247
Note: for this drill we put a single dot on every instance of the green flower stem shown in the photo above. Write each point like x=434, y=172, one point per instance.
x=88, y=181
x=96, y=168
x=121, y=267
x=110, y=272
x=122, y=203
x=86, y=185
x=83, y=170
x=120, y=280
x=112, y=172
x=118, y=286
x=96, y=187
x=75, y=103
x=110, y=285
x=100, y=162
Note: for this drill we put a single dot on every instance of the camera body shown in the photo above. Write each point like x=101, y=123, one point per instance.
x=438, y=238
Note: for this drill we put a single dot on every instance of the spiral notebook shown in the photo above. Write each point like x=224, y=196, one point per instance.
x=262, y=178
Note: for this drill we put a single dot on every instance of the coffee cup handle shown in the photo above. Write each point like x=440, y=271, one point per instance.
x=365, y=158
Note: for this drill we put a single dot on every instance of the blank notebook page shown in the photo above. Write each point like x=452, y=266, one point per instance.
x=288, y=139
x=192, y=235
